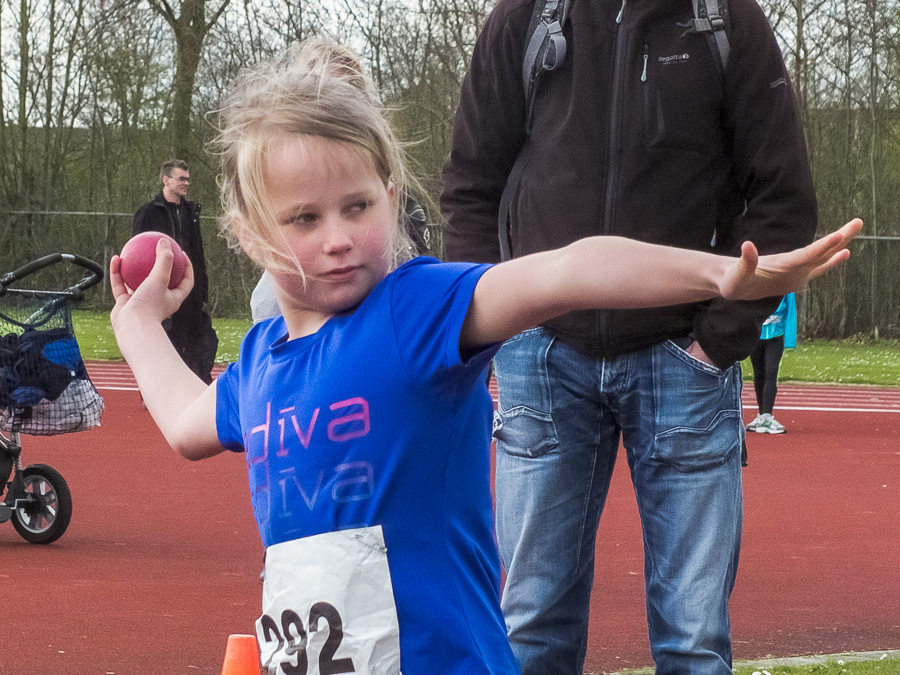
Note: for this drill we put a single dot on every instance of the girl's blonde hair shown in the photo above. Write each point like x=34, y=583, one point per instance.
x=317, y=89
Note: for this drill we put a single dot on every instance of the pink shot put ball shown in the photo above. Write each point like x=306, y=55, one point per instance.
x=139, y=254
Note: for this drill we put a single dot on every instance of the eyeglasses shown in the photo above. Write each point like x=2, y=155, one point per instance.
x=182, y=179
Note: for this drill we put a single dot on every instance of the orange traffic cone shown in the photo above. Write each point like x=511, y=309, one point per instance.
x=241, y=656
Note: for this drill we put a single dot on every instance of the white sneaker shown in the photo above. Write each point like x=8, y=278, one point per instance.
x=755, y=423
x=769, y=425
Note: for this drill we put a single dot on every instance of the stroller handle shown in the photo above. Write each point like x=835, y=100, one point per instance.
x=76, y=291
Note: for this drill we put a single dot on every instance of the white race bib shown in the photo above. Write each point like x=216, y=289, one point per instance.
x=328, y=606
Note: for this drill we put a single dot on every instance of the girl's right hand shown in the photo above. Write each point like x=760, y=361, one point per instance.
x=182, y=405
x=153, y=299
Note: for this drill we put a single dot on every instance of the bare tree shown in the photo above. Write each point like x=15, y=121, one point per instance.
x=3, y=132
x=23, y=178
x=190, y=27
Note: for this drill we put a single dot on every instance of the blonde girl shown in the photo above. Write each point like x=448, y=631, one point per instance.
x=362, y=410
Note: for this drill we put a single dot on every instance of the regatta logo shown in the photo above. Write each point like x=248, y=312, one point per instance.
x=675, y=58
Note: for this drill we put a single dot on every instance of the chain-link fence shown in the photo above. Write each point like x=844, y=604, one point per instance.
x=862, y=298
x=26, y=235
x=859, y=299
x=98, y=236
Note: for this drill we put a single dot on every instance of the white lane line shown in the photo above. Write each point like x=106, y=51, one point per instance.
x=119, y=378
x=843, y=410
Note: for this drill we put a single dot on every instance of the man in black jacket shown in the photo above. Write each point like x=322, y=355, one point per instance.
x=190, y=327
x=637, y=134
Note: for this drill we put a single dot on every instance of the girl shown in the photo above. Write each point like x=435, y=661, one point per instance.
x=362, y=410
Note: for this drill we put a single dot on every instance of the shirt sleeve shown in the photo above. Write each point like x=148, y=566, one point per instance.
x=429, y=303
x=790, y=321
x=228, y=427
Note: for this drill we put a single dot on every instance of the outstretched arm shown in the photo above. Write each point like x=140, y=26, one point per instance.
x=181, y=404
x=617, y=273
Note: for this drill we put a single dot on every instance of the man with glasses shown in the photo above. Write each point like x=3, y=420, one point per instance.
x=190, y=328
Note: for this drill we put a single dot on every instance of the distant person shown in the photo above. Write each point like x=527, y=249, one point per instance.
x=779, y=332
x=190, y=327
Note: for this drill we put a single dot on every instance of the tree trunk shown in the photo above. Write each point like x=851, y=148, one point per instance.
x=48, y=108
x=24, y=53
x=190, y=29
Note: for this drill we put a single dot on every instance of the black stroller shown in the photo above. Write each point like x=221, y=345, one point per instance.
x=44, y=391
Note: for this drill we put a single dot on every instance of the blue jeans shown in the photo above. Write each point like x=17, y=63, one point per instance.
x=560, y=418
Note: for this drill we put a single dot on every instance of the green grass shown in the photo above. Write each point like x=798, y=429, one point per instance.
x=95, y=336
x=230, y=332
x=97, y=342
x=838, y=666
x=868, y=663
x=856, y=361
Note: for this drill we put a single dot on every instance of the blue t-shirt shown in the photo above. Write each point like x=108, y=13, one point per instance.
x=377, y=420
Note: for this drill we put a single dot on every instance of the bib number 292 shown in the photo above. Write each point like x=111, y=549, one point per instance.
x=328, y=606
x=292, y=638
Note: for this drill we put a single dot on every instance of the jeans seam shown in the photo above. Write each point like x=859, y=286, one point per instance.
x=720, y=415
x=589, y=494
x=584, y=512
x=528, y=332
x=546, y=375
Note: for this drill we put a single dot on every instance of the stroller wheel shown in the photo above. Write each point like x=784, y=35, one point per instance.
x=45, y=515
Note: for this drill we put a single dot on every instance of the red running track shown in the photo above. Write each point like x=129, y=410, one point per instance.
x=162, y=559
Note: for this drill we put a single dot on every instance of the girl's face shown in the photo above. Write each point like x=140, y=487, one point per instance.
x=337, y=217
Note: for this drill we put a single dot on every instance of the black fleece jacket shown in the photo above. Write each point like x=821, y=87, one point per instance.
x=637, y=134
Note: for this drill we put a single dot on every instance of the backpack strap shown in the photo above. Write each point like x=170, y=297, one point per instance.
x=545, y=51
x=710, y=17
x=546, y=47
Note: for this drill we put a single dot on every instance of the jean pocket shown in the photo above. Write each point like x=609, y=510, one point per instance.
x=523, y=432
x=523, y=422
x=697, y=410
x=682, y=353
x=693, y=449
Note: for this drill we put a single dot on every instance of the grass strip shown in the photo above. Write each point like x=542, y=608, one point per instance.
x=854, y=361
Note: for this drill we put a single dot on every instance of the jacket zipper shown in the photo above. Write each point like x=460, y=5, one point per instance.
x=649, y=114
x=612, y=173
x=614, y=122
x=646, y=57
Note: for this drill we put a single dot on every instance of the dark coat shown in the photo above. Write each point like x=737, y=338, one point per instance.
x=156, y=216
x=636, y=134
x=190, y=328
